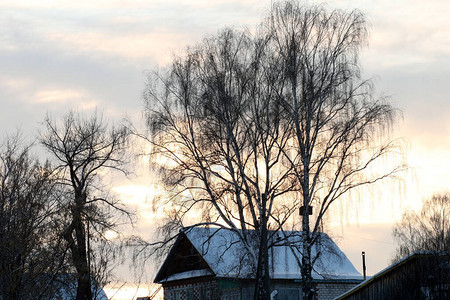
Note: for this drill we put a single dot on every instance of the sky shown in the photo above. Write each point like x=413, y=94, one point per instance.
x=94, y=55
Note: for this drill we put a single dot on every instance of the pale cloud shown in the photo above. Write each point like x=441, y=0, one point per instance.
x=136, y=194
x=143, y=199
x=131, y=46
x=126, y=29
x=431, y=168
x=15, y=83
x=58, y=96
x=80, y=4
x=27, y=91
x=404, y=32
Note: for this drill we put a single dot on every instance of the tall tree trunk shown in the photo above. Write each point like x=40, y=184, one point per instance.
x=262, y=284
x=307, y=282
x=82, y=266
x=84, y=287
x=78, y=249
x=306, y=268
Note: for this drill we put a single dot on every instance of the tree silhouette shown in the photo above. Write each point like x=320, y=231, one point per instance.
x=248, y=128
x=29, y=210
x=83, y=149
x=428, y=230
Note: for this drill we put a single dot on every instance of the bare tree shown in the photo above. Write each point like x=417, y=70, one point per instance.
x=83, y=150
x=335, y=119
x=251, y=127
x=211, y=119
x=428, y=230
x=29, y=244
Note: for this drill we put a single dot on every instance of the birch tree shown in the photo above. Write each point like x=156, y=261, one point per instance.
x=252, y=127
x=336, y=119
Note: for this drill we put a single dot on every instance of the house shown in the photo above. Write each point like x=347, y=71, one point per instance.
x=420, y=275
x=211, y=264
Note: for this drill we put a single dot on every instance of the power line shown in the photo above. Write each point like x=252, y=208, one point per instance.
x=373, y=240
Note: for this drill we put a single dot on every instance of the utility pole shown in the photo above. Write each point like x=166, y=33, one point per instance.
x=364, y=263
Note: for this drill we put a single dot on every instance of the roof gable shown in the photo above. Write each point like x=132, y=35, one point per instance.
x=182, y=258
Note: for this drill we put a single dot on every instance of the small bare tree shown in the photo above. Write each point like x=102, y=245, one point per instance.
x=30, y=250
x=83, y=150
x=428, y=230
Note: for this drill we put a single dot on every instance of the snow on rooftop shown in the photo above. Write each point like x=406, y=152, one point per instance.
x=226, y=256
x=222, y=250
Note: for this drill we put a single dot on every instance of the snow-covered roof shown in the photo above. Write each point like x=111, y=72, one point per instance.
x=221, y=253
x=224, y=253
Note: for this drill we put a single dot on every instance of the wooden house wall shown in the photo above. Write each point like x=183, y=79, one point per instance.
x=418, y=278
x=191, y=290
x=232, y=289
